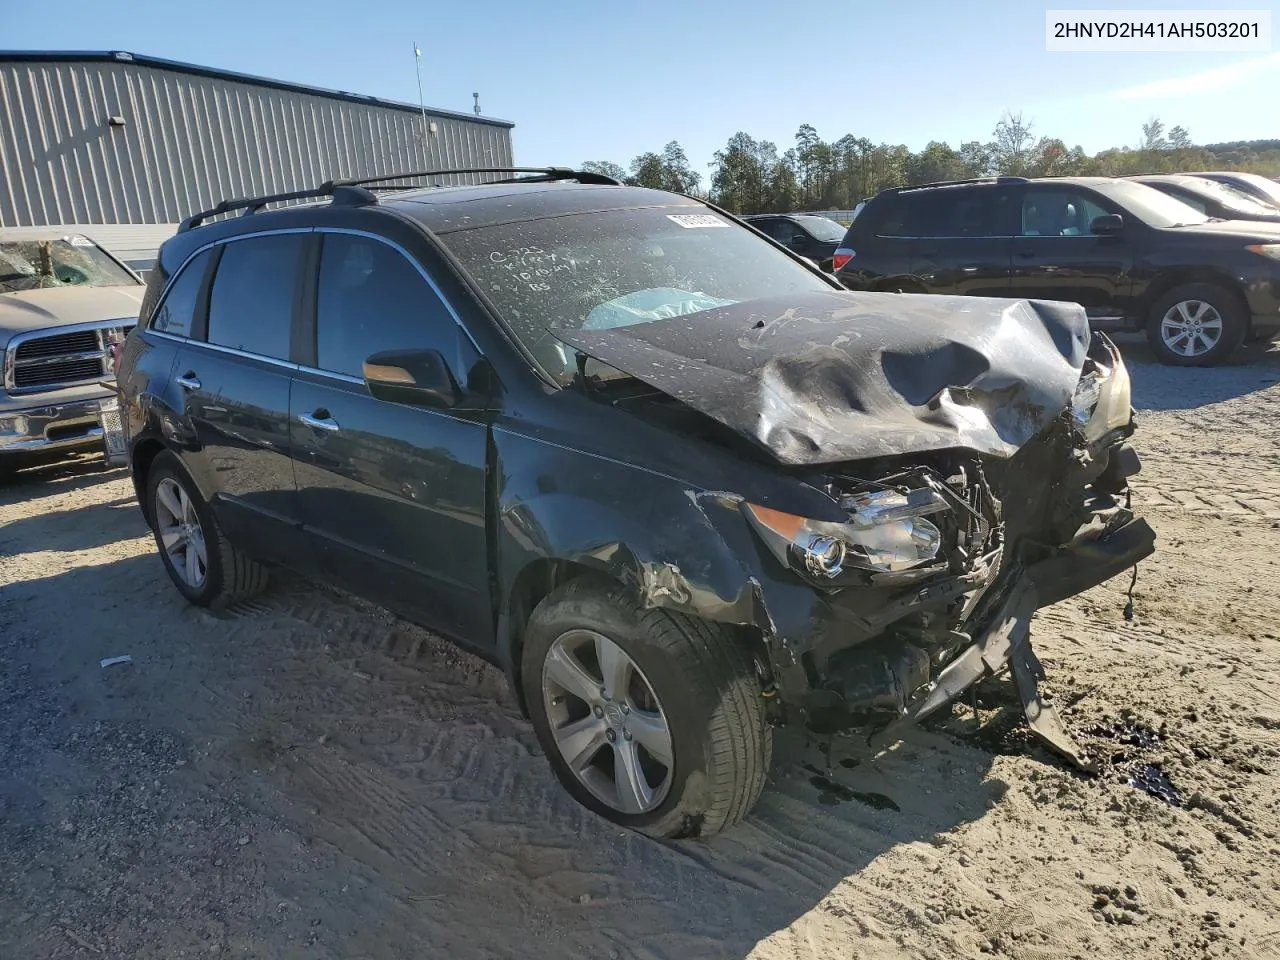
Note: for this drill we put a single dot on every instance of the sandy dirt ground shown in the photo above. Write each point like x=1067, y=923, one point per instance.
x=306, y=776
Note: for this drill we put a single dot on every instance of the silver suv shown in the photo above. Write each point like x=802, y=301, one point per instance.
x=64, y=303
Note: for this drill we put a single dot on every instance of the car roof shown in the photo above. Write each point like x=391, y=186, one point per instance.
x=447, y=209
x=1000, y=181
x=1166, y=178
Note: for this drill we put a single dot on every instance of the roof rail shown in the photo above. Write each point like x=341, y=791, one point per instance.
x=357, y=191
x=955, y=183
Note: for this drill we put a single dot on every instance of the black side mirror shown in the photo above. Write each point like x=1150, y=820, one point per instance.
x=1107, y=225
x=417, y=377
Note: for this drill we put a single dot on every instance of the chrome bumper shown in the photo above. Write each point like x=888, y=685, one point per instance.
x=58, y=427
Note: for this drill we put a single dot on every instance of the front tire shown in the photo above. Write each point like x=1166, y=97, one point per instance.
x=200, y=561
x=1196, y=325
x=650, y=718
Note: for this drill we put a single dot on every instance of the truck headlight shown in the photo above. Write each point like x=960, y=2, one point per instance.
x=886, y=531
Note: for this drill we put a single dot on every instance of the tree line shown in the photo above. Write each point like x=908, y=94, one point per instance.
x=751, y=176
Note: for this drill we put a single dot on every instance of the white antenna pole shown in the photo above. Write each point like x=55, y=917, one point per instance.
x=417, y=65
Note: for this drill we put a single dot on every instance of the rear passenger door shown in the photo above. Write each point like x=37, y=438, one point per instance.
x=963, y=240
x=392, y=495
x=236, y=376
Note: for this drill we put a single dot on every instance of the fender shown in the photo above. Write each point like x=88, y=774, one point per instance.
x=674, y=544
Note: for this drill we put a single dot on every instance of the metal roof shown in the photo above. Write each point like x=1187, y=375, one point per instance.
x=176, y=66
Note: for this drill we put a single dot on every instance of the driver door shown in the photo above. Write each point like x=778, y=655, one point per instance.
x=1056, y=257
x=392, y=495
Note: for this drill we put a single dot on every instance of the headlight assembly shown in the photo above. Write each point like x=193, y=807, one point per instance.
x=1271, y=250
x=1085, y=400
x=886, y=531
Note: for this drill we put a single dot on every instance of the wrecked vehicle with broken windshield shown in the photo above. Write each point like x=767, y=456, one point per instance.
x=680, y=485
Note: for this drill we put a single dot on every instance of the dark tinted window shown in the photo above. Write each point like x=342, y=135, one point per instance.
x=774, y=227
x=251, y=302
x=1058, y=213
x=968, y=212
x=371, y=299
x=178, y=308
x=790, y=232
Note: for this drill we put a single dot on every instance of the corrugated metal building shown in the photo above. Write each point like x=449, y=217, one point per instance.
x=118, y=138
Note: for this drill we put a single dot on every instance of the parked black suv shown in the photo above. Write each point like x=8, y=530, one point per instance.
x=811, y=236
x=675, y=480
x=1130, y=255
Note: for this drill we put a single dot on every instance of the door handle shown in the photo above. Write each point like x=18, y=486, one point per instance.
x=188, y=381
x=319, y=420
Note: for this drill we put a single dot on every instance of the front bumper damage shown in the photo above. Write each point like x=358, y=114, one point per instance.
x=1007, y=640
x=1046, y=524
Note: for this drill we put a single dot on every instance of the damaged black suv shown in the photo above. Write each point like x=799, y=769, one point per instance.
x=676, y=481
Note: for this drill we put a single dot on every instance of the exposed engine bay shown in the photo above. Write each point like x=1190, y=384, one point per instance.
x=974, y=467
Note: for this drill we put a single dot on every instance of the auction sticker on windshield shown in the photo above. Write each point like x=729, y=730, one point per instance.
x=692, y=221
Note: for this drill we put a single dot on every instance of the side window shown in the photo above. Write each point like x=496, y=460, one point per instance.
x=1191, y=200
x=933, y=213
x=980, y=212
x=178, y=309
x=1058, y=213
x=251, y=301
x=896, y=216
x=774, y=227
x=792, y=233
x=370, y=299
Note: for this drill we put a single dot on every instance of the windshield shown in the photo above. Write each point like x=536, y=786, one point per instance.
x=1262, y=184
x=1233, y=198
x=66, y=262
x=822, y=228
x=1149, y=205
x=597, y=271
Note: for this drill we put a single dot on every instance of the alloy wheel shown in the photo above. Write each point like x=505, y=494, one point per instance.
x=1191, y=328
x=607, y=722
x=180, y=532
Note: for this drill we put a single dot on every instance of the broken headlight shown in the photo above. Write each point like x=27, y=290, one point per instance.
x=886, y=531
x=1085, y=400
x=1103, y=396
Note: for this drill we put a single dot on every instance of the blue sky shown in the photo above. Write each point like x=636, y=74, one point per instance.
x=590, y=80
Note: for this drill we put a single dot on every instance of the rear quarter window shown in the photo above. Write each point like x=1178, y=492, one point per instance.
x=179, y=304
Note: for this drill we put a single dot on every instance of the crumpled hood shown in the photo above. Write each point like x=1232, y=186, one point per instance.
x=820, y=378
x=26, y=310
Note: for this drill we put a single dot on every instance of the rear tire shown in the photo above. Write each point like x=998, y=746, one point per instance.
x=200, y=561
x=1196, y=325
x=706, y=696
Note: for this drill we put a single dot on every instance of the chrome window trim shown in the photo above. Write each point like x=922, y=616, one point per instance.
x=331, y=375
x=242, y=354
x=11, y=351
x=985, y=236
x=349, y=231
x=218, y=348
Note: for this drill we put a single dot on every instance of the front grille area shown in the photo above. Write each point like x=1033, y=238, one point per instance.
x=56, y=358
x=82, y=341
x=57, y=372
